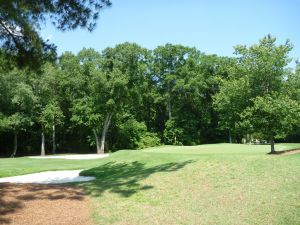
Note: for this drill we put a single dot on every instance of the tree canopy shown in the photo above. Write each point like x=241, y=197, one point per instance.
x=20, y=22
x=254, y=98
x=128, y=96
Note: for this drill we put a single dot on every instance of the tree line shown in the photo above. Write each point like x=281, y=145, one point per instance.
x=130, y=97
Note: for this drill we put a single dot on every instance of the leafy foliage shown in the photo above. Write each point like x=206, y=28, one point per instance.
x=253, y=99
x=173, y=134
x=51, y=115
x=20, y=22
x=134, y=135
x=130, y=97
x=272, y=115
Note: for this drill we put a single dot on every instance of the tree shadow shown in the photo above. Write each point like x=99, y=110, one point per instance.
x=285, y=152
x=125, y=178
x=121, y=178
x=14, y=197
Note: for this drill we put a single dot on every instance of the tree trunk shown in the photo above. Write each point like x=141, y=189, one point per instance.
x=53, y=140
x=272, y=145
x=104, y=132
x=15, y=145
x=97, y=142
x=169, y=107
x=229, y=137
x=43, y=144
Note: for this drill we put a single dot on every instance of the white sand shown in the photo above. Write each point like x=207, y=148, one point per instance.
x=83, y=156
x=49, y=177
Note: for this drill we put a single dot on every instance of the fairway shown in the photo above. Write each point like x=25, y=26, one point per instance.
x=206, y=184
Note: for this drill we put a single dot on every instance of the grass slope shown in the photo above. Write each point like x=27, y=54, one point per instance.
x=207, y=184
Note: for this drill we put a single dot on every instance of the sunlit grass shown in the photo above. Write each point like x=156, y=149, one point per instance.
x=206, y=184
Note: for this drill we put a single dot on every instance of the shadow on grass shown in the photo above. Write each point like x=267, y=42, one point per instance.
x=285, y=152
x=124, y=178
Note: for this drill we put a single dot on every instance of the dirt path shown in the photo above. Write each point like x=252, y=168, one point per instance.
x=291, y=152
x=288, y=152
x=36, y=204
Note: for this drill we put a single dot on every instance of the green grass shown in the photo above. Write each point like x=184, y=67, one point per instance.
x=24, y=165
x=207, y=184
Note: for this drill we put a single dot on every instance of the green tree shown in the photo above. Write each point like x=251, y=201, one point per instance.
x=257, y=80
x=230, y=102
x=168, y=60
x=124, y=69
x=51, y=116
x=86, y=113
x=272, y=116
x=20, y=22
x=196, y=84
x=15, y=123
x=17, y=101
x=292, y=84
x=264, y=64
x=173, y=134
x=48, y=115
x=87, y=104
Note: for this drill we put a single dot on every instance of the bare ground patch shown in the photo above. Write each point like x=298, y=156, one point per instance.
x=35, y=204
x=291, y=152
x=287, y=152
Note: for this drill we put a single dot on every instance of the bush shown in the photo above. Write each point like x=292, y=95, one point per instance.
x=134, y=135
x=173, y=134
x=148, y=140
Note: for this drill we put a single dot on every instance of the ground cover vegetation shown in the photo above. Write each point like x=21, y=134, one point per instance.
x=131, y=97
x=205, y=184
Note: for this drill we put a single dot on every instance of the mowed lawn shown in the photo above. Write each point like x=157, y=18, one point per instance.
x=206, y=184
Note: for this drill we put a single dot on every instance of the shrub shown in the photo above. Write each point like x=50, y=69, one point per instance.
x=173, y=134
x=148, y=140
x=134, y=135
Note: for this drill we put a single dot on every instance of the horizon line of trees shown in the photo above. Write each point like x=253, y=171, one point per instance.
x=129, y=97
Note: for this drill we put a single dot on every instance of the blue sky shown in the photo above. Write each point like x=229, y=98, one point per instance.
x=212, y=26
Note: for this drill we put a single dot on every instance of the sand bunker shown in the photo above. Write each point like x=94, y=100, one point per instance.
x=83, y=156
x=49, y=177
